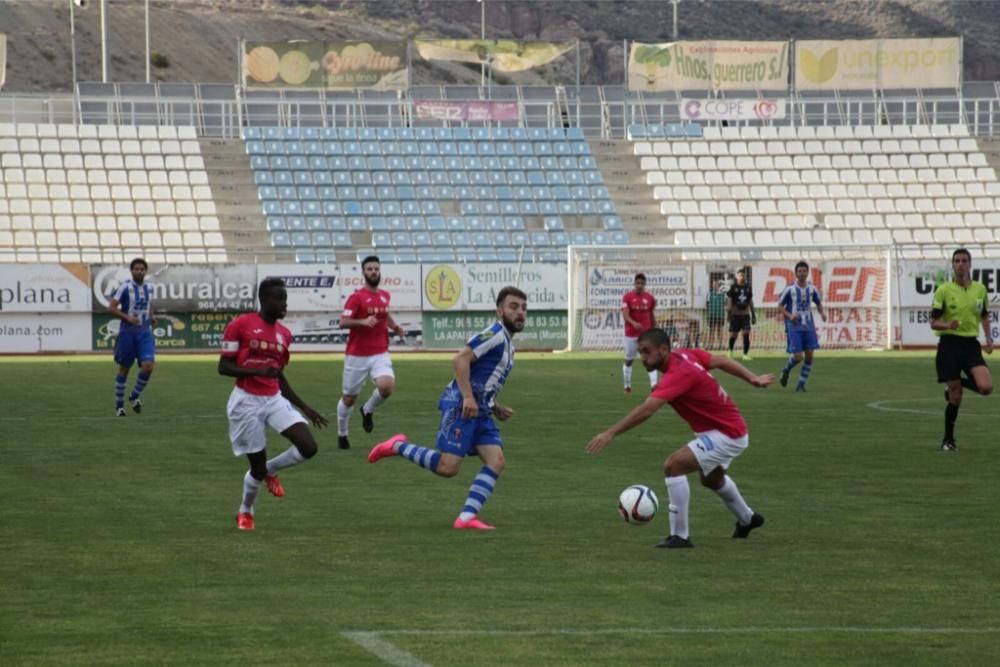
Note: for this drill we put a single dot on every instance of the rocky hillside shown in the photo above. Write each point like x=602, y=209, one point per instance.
x=196, y=40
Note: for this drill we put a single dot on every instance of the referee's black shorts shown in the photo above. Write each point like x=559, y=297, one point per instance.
x=956, y=354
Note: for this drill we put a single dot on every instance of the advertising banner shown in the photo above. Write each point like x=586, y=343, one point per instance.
x=185, y=331
x=461, y=287
x=460, y=111
x=916, y=326
x=867, y=64
x=321, y=332
x=853, y=294
x=672, y=286
x=919, y=278
x=543, y=329
x=24, y=333
x=311, y=287
x=708, y=65
x=402, y=281
x=604, y=329
x=44, y=288
x=504, y=55
x=184, y=288
x=335, y=64
x=732, y=109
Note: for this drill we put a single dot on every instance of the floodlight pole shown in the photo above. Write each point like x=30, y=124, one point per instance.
x=147, y=41
x=674, y=3
x=482, y=35
x=72, y=41
x=104, y=41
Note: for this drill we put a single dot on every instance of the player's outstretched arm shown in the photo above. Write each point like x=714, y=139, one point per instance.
x=318, y=420
x=737, y=369
x=638, y=415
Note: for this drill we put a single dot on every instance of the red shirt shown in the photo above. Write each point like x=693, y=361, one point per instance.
x=640, y=308
x=365, y=341
x=256, y=343
x=697, y=396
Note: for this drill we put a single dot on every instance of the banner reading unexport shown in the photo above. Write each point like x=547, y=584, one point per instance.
x=870, y=64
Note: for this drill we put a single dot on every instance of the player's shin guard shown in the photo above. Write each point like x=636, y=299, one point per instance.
x=373, y=401
x=343, y=417
x=120, y=391
x=425, y=457
x=140, y=384
x=679, y=493
x=250, y=488
x=804, y=373
x=627, y=375
x=479, y=493
x=286, y=459
x=731, y=496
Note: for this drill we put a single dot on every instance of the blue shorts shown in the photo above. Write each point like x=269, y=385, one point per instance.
x=461, y=436
x=799, y=341
x=134, y=345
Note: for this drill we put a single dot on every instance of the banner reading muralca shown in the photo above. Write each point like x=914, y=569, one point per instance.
x=335, y=64
x=708, y=65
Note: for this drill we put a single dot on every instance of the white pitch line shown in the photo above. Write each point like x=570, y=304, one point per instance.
x=884, y=407
x=691, y=631
x=386, y=651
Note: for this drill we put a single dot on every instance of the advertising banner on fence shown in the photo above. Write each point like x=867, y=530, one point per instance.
x=459, y=111
x=321, y=332
x=919, y=278
x=335, y=64
x=731, y=109
x=311, y=287
x=184, y=288
x=867, y=64
x=853, y=294
x=708, y=65
x=604, y=329
x=543, y=330
x=671, y=285
x=504, y=55
x=44, y=288
x=460, y=287
x=25, y=333
x=184, y=331
x=916, y=326
x=402, y=281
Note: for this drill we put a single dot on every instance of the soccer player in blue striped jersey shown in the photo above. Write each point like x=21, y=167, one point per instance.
x=468, y=405
x=133, y=304
x=796, y=303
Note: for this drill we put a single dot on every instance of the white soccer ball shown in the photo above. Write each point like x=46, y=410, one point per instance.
x=638, y=504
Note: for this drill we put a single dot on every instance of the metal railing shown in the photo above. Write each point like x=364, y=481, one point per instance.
x=603, y=112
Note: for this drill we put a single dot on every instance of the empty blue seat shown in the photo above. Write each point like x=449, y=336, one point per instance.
x=353, y=208
x=275, y=223
x=526, y=207
x=316, y=224
x=470, y=208
x=500, y=238
x=562, y=148
x=416, y=223
x=600, y=238
x=536, y=177
x=619, y=238
x=460, y=239
x=301, y=239
x=575, y=133
x=312, y=207
x=371, y=208
x=585, y=207
x=553, y=224
x=579, y=238
x=593, y=177
x=561, y=192
x=256, y=148
x=585, y=162
x=381, y=239
x=333, y=148
x=605, y=207
x=401, y=178
x=487, y=255
x=542, y=148
x=540, y=238
x=250, y=133
x=447, y=149
x=336, y=224
x=341, y=239
x=263, y=177
x=555, y=177
x=410, y=207
x=305, y=257
x=278, y=162
x=332, y=207
x=402, y=239
x=580, y=192
x=567, y=207
x=520, y=238
x=409, y=149
x=271, y=208
x=420, y=239
x=436, y=223
x=298, y=162
x=378, y=224
x=467, y=148
x=441, y=238
x=474, y=224
x=321, y=239
x=266, y=192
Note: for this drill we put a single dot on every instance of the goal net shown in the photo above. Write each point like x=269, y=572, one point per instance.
x=689, y=284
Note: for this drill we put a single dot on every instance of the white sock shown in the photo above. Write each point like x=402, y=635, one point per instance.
x=653, y=377
x=250, y=488
x=343, y=417
x=286, y=459
x=679, y=494
x=730, y=495
x=373, y=401
x=627, y=374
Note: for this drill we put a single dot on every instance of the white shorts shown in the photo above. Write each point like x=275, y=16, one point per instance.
x=249, y=414
x=715, y=449
x=631, y=348
x=358, y=369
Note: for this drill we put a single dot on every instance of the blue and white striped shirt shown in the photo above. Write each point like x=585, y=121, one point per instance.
x=494, y=361
x=799, y=300
x=134, y=299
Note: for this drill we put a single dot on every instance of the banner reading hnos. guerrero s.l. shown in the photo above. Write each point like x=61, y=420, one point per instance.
x=708, y=65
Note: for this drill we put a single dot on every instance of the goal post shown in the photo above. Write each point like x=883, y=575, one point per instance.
x=855, y=284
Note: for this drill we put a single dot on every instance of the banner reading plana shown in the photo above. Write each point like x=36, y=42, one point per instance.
x=336, y=64
x=870, y=64
x=44, y=288
x=708, y=65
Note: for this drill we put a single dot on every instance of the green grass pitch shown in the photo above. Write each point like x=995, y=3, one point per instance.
x=118, y=544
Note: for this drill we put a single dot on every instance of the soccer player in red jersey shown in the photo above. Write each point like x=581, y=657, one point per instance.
x=255, y=352
x=637, y=309
x=720, y=431
x=366, y=314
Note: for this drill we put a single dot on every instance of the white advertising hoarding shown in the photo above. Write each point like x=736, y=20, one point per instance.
x=870, y=64
x=44, y=288
x=25, y=333
x=460, y=287
x=732, y=109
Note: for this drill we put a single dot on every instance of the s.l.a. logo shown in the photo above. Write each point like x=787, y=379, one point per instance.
x=818, y=69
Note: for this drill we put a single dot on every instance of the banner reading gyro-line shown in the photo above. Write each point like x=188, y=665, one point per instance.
x=337, y=64
x=708, y=65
